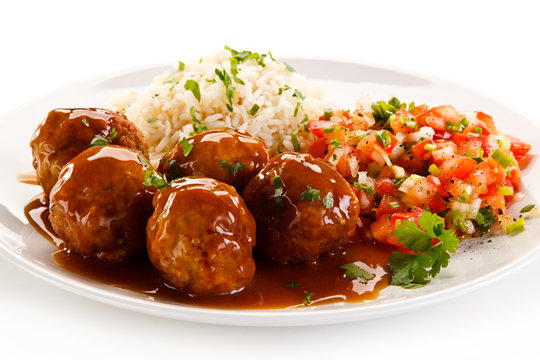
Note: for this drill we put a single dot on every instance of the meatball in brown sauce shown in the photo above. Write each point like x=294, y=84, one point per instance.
x=230, y=156
x=99, y=206
x=302, y=208
x=201, y=236
x=67, y=132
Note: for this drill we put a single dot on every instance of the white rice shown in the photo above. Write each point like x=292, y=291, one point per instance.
x=167, y=101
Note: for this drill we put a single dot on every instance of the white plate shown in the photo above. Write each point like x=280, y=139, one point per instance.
x=478, y=261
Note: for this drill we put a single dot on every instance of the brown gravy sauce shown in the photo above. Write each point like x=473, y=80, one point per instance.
x=324, y=279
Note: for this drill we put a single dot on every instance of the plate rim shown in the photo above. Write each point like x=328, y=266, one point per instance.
x=278, y=317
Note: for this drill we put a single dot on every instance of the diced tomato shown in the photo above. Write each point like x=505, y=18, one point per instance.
x=419, y=149
x=481, y=178
x=456, y=187
x=496, y=201
x=456, y=167
x=385, y=186
x=412, y=163
x=437, y=203
x=397, y=125
x=318, y=149
x=390, y=205
x=513, y=177
x=420, y=109
x=488, y=122
x=508, y=183
x=519, y=148
x=317, y=127
x=438, y=116
x=380, y=228
x=421, y=193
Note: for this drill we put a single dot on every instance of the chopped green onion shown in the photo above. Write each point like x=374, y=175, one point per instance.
x=457, y=127
x=384, y=138
x=502, y=158
x=506, y=190
x=365, y=188
x=430, y=147
x=331, y=129
x=305, y=123
x=433, y=169
x=294, y=140
x=254, y=109
x=527, y=208
x=478, y=130
x=516, y=226
x=186, y=146
x=412, y=106
x=394, y=204
x=335, y=142
x=327, y=113
x=193, y=86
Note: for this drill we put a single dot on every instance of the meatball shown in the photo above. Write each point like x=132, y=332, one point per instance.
x=99, y=206
x=201, y=237
x=230, y=156
x=302, y=208
x=67, y=132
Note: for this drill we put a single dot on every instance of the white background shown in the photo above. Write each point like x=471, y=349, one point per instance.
x=488, y=46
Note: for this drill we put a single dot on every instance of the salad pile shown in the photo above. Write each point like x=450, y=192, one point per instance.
x=425, y=177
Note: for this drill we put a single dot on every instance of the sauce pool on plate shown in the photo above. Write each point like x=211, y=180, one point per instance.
x=274, y=286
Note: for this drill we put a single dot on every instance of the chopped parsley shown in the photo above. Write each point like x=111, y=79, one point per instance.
x=237, y=166
x=298, y=106
x=289, y=67
x=310, y=194
x=174, y=168
x=223, y=164
x=485, y=218
x=413, y=270
x=198, y=126
x=151, y=177
x=294, y=140
x=298, y=94
x=353, y=272
x=193, y=86
x=152, y=120
x=85, y=122
x=307, y=298
x=292, y=285
x=100, y=140
x=181, y=66
x=278, y=193
x=186, y=146
x=328, y=201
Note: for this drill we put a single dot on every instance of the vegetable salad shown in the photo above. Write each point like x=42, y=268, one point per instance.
x=425, y=177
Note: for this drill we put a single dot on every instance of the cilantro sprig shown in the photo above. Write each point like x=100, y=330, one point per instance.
x=429, y=256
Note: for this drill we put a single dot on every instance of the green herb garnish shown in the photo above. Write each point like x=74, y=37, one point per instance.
x=186, y=146
x=485, y=218
x=327, y=113
x=527, y=208
x=294, y=140
x=237, y=166
x=85, y=122
x=384, y=138
x=310, y=194
x=369, y=190
x=291, y=285
x=412, y=270
x=353, y=272
x=254, y=109
x=193, y=86
x=278, y=193
x=328, y=201
x=100, y=140
x=307, y=298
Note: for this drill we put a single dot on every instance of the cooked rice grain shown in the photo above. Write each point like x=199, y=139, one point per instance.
x=167, y=101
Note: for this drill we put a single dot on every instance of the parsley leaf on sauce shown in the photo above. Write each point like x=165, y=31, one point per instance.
x=100, y=140
x=353, y=272
x=310, y=194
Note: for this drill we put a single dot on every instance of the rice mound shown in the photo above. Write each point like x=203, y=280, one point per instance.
x=284, y=97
